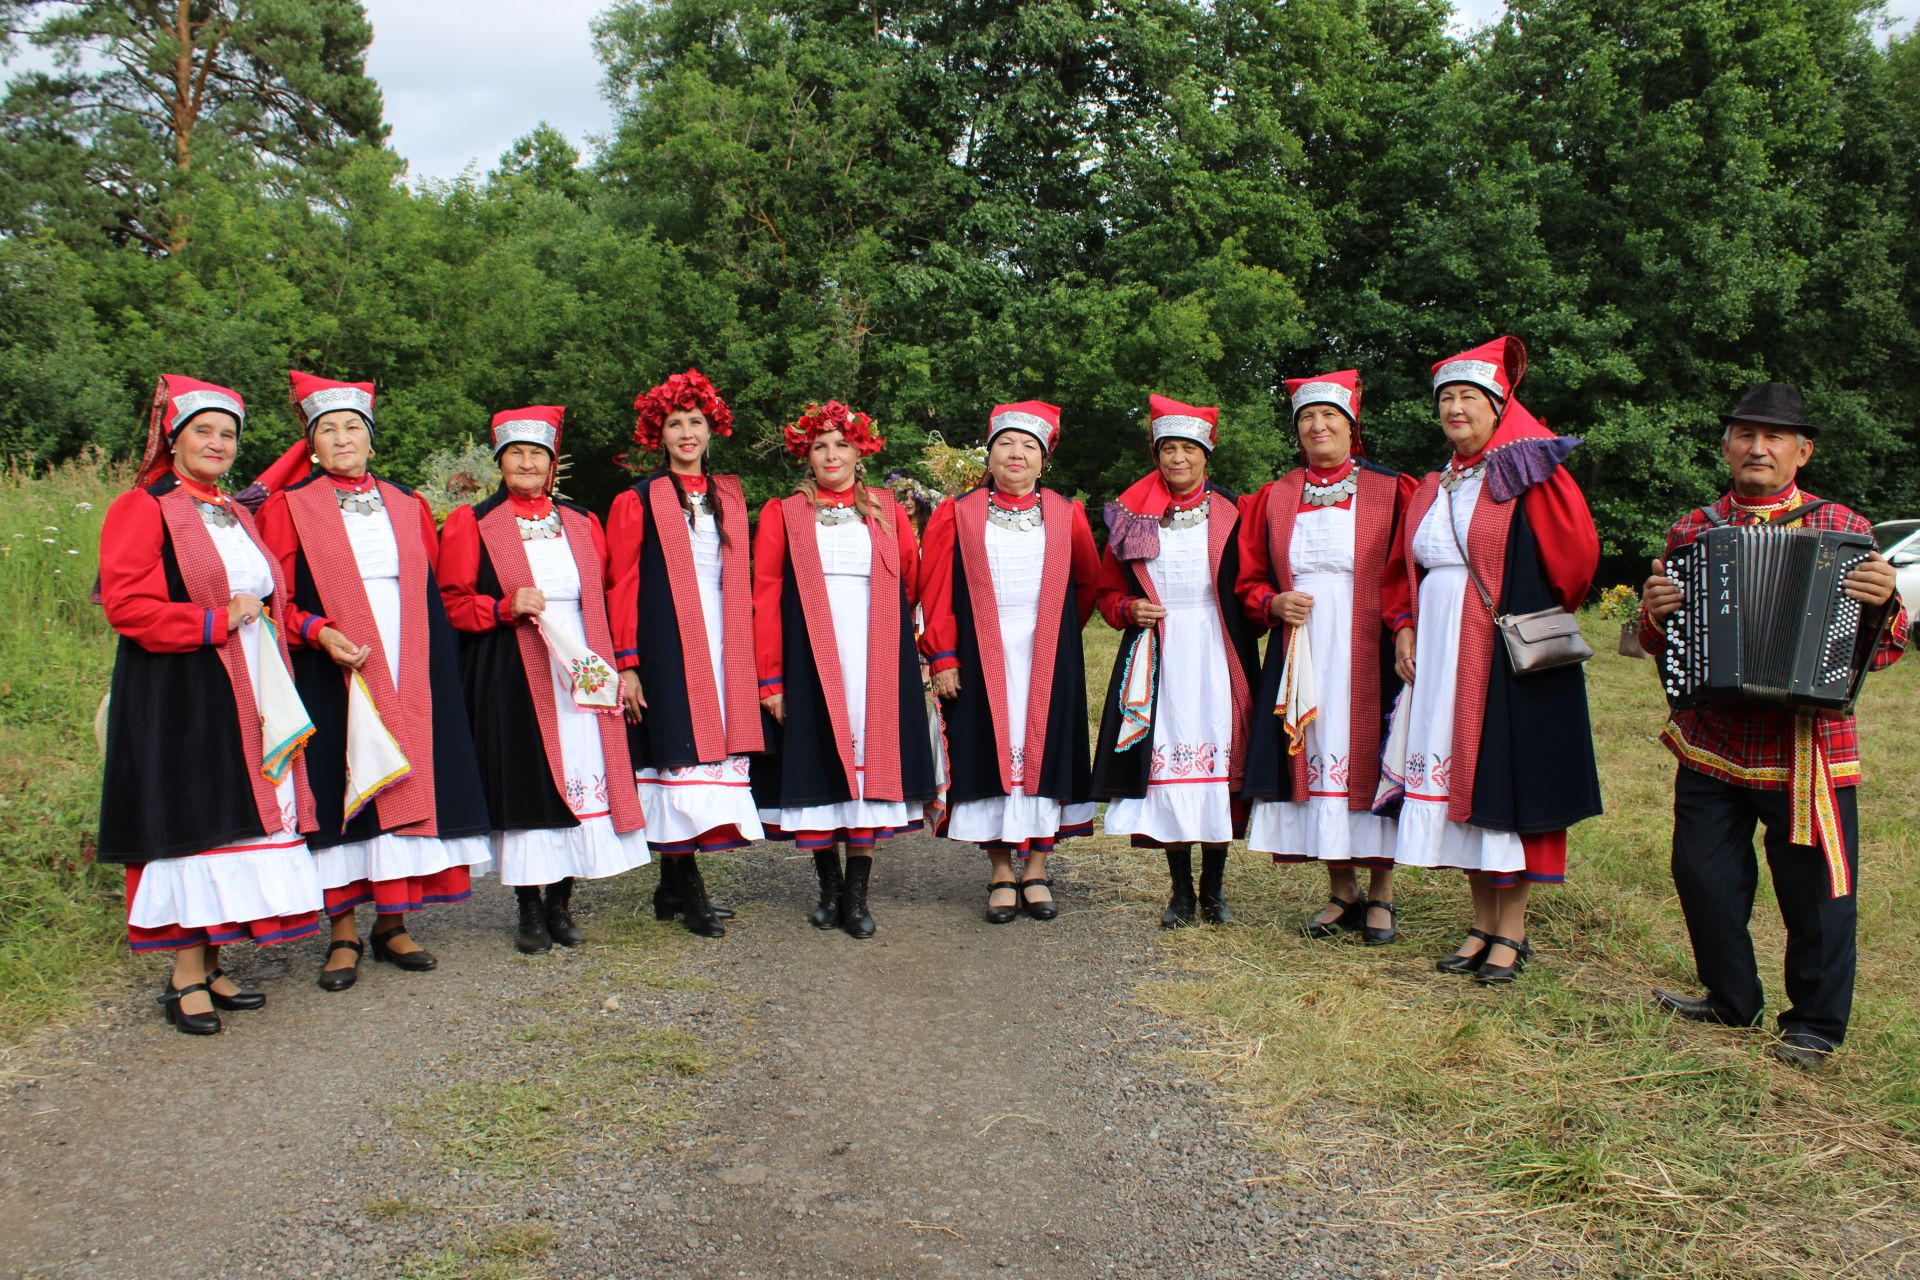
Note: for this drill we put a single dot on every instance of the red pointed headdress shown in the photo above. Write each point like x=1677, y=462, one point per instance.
x=176, y=400
x=1495, y=367
x=1035, y=417
x=314, y=396
x=1171, y=420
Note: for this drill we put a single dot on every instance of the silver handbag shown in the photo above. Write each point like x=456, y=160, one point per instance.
x=1536, y=642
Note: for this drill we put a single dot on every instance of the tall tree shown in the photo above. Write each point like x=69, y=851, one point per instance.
x=150, y=96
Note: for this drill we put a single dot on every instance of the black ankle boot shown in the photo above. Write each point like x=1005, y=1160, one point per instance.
x=853, y=899
x=1180, y=906
x=695, y=910
x=666, y=894
x=560, y=925
x=1213, y=887
x=826, y=865
x=533, y=937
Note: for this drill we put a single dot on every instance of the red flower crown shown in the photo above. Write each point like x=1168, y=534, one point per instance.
x=683, y=391
x=832, y=416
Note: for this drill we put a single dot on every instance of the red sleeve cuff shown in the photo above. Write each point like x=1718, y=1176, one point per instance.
x=772, y=685
x=215, y=632
x=943, y=662
x=500, y=615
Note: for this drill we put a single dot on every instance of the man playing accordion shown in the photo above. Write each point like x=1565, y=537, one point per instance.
x=1793, y=769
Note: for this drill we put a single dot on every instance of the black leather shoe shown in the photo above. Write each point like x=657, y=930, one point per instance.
x=1499, y=975
x=1379, y=937
x=854, y=917
x=1694, y=1009
x=1038, y=910
x=1213, y=887
x=239, y=1000
x=412, y=961
x=341, y=979
x=1183, y=902
x=1457, y=963
x=1353, y=915
x=558, y=900
x=1002, y=915
x=826, y=867
x=193, y=1024
x=1804, y=1050
x=533, y=938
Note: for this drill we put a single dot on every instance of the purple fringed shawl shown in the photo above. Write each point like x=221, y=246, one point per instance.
x=1514, y=468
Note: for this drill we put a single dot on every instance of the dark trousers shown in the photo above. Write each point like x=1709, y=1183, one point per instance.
x=1716, y=873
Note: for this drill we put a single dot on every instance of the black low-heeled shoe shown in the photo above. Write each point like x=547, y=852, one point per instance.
x=413, y=961
x=1379, y=937
x=341, y=979
x=1353, y=915
x=1499, y=975
x=1457, y=963
x=1002, y=915
x=1038, y=910
x=193, y=1024
x=238, y=1000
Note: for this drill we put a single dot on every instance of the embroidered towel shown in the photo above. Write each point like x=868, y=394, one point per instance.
x=1393, y=753
x=284, y=723
x=1299, y=700
x=595, y=687
x=374, y=759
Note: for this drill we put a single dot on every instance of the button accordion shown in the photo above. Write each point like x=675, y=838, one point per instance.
x=1763, y=620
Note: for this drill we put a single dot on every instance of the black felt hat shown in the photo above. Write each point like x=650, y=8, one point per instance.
x=1772, y=404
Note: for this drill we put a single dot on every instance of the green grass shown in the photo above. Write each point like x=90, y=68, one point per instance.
x=506, y=1253
x=61, y=916
x=1581, y=1119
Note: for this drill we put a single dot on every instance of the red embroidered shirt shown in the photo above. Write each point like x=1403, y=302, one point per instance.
x=1753, y=746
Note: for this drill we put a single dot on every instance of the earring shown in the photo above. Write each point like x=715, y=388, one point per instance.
x=314, y=457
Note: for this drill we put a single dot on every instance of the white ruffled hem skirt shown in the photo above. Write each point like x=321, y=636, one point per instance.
x=1323, y=829
x=209, y=889
x=1016, y=818
x=390, y=856
x=591, y=851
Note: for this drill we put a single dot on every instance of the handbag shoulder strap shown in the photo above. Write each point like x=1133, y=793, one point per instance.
x=1485, y=598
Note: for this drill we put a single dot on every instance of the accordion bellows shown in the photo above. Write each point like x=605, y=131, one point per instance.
x=1764, y=620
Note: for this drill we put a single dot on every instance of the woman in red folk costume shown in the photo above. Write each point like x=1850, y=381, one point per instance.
x=1497, y=765
x=834, y=585
x=682, y=606
x=1173, y=734
x=523, y=576
x=369, y=633
x=1315, y=547
x=1007, y=581
x=205, y=794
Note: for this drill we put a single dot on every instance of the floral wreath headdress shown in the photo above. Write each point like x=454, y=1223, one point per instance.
x=683, y=391
x=832, y=416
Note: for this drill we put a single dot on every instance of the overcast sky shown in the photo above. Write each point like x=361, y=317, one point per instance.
x=464, y=78
x=459, y=89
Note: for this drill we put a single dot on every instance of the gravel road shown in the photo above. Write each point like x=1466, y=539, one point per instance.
x=949, y=1099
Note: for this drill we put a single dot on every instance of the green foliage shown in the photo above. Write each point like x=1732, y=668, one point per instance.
x=926, y=209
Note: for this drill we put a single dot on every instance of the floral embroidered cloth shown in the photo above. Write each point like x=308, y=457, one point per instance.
x=594, y=685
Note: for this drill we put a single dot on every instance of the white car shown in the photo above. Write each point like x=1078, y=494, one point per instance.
x=1899, y=542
